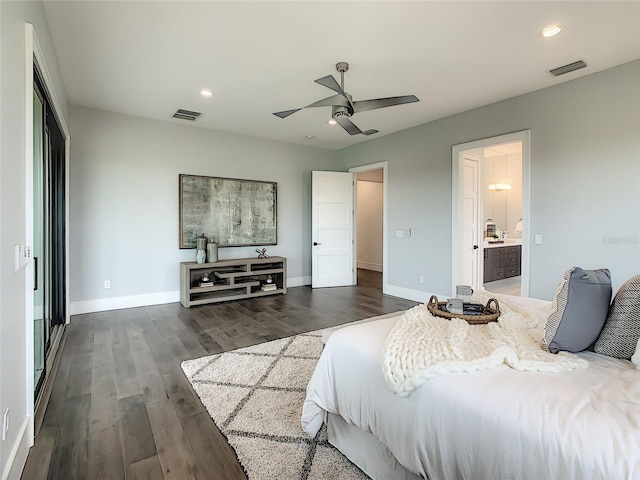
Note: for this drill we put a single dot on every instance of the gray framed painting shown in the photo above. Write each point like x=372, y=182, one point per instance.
x=232, y=212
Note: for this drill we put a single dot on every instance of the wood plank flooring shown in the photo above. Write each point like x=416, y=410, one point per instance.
x=121, y=407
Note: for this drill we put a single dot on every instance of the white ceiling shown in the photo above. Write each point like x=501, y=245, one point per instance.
x=150, y=58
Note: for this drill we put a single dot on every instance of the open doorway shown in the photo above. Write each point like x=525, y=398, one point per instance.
x=491, y=192
x=369, y=226
x=349, y=227
x=502, y=215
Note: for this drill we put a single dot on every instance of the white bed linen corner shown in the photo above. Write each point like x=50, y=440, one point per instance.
x=496, y=423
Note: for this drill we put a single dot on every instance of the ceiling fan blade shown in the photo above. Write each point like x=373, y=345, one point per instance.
x=348, y=125
x=286, y=113
x=333, y=101
x=364, y=105
x=369, y=132
x=331, y=83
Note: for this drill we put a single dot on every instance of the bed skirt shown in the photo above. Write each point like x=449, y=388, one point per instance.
x=365, y=451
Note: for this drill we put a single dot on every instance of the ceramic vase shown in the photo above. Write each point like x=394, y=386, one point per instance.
x=212, y=252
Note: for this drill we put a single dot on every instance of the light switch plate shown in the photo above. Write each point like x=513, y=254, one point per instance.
x=16, y=258
x=399, y=233
x=538, y=239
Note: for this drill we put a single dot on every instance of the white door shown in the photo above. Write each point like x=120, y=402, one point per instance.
x=332, y=229
x=470, y=242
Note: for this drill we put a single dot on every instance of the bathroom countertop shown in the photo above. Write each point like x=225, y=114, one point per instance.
x=507, y=243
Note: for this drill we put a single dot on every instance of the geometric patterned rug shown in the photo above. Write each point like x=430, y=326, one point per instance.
x=255, y=395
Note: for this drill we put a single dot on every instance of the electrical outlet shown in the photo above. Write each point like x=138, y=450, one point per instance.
x=421, y=279
x=5, y=423
x=107, y=284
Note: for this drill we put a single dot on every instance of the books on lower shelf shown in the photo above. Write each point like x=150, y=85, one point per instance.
x=269, y=287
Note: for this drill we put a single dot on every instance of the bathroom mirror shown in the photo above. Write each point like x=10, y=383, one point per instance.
x=503, y=187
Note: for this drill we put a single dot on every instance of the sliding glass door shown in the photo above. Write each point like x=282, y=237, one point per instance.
x=48, y=230
x=40, y=332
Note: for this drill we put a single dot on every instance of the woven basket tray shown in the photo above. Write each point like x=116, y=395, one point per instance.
x=491, y=313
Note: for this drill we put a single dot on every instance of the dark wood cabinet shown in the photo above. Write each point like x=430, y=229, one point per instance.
x=502, y=262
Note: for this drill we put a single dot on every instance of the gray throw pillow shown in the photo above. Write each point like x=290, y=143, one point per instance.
x=579, y=310
x=621, y=331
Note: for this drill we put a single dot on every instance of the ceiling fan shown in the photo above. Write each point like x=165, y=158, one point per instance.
x=342, y=105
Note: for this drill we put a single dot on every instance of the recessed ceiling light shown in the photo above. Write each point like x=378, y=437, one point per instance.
x=205, y=92
x=310, y=137
x=550, y=30
x=331, y=121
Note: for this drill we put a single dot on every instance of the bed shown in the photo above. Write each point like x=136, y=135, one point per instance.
x=489, y=424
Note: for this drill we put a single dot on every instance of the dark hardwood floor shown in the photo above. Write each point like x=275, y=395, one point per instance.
x=121, y=406
x=369, y=278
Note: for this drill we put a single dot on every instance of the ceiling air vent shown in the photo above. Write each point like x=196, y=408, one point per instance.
x=186, y=115
x=568, y=68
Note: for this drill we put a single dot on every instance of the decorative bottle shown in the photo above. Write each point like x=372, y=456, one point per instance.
x=201, y=245
x=212, y=251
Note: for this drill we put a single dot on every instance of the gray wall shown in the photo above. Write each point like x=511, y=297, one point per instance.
x=585, y=181
x=13, y=294
x=124, y=201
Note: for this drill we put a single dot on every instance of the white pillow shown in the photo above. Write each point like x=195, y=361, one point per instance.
x=636, y=356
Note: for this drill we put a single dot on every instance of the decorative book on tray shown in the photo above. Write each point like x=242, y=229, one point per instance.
x=469, y=311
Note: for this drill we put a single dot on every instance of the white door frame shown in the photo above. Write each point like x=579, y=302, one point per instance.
x=384, y=165
x=33, y=51
x=523, y=136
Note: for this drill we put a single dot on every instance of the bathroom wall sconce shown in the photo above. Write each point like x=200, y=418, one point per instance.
x=499, y=187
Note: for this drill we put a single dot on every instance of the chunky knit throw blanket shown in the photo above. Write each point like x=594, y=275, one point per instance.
x=421, y=346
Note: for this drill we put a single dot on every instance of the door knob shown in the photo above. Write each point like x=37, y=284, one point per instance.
x=315, y=244
x=475, y=247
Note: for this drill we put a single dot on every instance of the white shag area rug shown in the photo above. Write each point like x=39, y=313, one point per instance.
x=255, y=395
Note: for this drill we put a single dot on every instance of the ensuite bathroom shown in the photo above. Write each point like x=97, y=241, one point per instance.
x=502, y=214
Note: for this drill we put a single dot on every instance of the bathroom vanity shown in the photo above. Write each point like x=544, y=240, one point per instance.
x=502, y=260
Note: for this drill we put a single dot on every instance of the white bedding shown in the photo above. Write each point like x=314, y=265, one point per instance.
x=497, y=423
x=421, y=346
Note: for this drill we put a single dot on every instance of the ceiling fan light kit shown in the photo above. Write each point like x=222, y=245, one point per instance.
x=342, y=105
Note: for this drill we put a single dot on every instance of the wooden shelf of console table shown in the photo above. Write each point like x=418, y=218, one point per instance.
x=233, y=279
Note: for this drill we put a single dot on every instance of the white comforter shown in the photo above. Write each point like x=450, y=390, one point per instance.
x=497, y=423
x=422, y=346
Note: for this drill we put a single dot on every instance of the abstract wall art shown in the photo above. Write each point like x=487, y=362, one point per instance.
x=230, y=211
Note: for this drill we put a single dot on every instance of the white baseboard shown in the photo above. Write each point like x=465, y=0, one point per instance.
x=410, y=294
x=116, y=303
x=376, y=267
x=18, y=454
